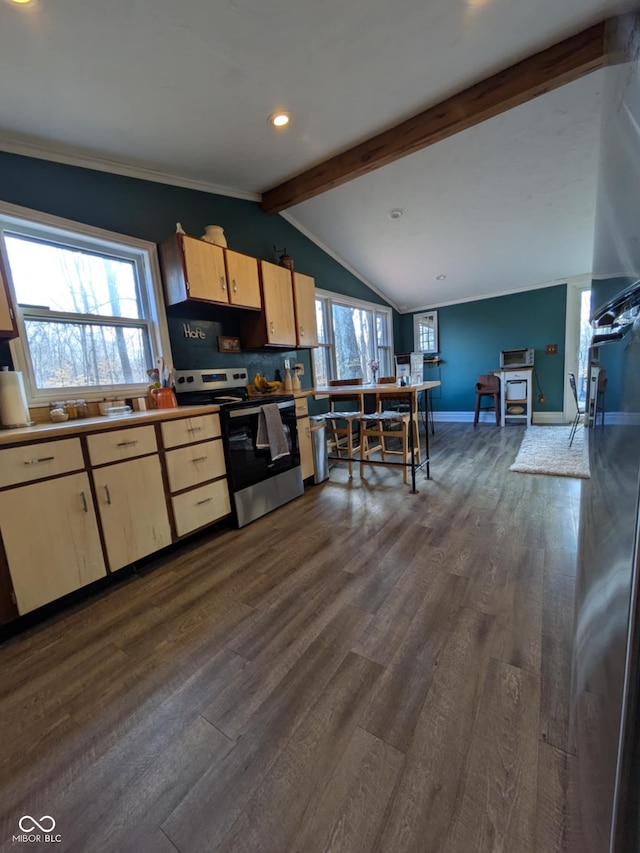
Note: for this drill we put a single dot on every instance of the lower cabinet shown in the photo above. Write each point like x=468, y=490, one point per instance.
x=133, y=510
x=51, y=539
x=201, y=506
x=306, y=448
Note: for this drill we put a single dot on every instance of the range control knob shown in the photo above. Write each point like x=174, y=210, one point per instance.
x=189, y=378
x=180, y=380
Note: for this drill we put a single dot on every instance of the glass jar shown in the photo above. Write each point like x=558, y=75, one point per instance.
x=83, y=408
x=72, y=409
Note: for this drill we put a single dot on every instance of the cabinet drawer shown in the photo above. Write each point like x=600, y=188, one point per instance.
x=187, y=430
x=194, y=464
x=302, y=407
x=120, y=444
x=37, y=461
x=201, y=506
x=517, y=375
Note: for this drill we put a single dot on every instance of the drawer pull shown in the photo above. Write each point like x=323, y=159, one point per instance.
x=205, y=501
x=84, y=502
x=194, y=429
x=38, y=461
x=223, y=282
x=108, y=494
x=273, y=328
x=302, y=331
x=199, y=458
x=126, y=443
x=235, y=286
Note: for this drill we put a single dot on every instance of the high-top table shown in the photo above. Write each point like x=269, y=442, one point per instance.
x=394, y=392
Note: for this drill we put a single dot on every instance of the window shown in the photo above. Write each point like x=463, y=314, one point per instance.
x=350, y=334
x=88, y=306
x=425, y=332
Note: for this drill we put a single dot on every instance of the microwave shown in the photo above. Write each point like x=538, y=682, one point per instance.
x=516, y=358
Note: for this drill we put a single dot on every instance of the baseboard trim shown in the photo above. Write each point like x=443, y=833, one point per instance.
x=490, y=418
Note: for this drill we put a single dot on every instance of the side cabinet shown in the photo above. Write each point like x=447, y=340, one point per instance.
x=304, y=437
x=196, y=471
x=130, y=493
x=48, y=526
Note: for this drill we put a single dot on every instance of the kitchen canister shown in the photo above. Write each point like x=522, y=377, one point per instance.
x=214, y=234
x=14, y=411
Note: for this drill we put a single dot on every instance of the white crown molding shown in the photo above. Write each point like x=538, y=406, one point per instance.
x=75, y=157
x=555, y=283
x=354, y=272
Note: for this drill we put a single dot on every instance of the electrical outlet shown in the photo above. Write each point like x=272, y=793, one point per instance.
x=542, y=398
x=298, y=368
x=552, y=349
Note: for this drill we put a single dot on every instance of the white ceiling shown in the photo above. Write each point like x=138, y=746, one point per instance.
x=183, y=92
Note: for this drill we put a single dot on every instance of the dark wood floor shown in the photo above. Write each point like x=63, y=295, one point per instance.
x=362, y=670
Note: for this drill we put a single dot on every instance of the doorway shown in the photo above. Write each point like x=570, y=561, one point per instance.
x=577, y=340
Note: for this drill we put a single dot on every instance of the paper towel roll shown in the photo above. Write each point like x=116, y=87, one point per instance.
x=14, y=411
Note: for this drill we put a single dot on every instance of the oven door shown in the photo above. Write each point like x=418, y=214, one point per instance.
x=246, y=463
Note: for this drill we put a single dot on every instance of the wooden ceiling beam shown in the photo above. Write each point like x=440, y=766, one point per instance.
x=562, y=63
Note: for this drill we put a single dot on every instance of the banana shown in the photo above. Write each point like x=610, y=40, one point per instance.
x=263, y=385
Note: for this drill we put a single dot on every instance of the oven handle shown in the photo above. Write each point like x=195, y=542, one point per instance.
x=241, y=413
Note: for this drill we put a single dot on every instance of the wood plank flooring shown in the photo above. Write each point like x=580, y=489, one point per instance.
x=363, y=671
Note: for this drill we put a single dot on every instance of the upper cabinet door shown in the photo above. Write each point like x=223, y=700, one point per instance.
x=304, y=296
x=204, y=268
x=242, y=277
x=8, y=328
x=277, y=296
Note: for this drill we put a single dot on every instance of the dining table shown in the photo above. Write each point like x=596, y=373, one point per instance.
x=394, y=391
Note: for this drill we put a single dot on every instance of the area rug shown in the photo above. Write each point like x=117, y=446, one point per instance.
x=545, y=450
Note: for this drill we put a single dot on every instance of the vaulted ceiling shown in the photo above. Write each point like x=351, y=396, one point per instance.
x=182, y=92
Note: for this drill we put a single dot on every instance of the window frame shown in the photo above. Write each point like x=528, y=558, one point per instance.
x=329, y=299
x=417, y=318
x=33, y=224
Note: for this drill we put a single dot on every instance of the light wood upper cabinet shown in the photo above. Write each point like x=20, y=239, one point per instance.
x=304, y=299
x=51, y=539
x=8, y=327
x=243, y=280
x=276, y=325
x=193, y=269
x=133, y=509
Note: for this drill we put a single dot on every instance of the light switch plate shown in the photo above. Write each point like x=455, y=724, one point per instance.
x=552, y=349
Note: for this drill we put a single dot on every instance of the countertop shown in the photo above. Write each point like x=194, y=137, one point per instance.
x=40, y=432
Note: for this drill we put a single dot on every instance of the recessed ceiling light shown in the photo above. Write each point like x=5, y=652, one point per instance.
x=280, y=119
x=396, y=213
x=20, y=2
x=440, y=277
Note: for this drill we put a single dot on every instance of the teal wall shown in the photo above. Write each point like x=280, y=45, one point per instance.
x=610, y=355
x=149, y=211
x=472, y=335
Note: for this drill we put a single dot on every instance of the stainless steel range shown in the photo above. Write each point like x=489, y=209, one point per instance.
x=259, y=436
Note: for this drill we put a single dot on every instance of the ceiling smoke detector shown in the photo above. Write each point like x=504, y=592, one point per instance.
x=396, y=213
x=440, y=277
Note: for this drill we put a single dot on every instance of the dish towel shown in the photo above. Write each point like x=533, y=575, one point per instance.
x=271, y=432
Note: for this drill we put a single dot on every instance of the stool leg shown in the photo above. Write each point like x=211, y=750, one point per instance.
x=364, y=448
x=477, y=412
x=496, y=402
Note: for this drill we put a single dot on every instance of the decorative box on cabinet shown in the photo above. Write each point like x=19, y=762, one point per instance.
x=196, y=472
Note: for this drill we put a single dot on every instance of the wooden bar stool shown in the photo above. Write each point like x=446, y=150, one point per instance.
x=487, y=386
x=341, y=424
x=390, y=421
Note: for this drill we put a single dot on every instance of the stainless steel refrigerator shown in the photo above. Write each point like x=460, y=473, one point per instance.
x=605, y=789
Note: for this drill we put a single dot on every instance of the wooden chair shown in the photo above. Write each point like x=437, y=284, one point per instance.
x=342, y=426
x=487, y=385
x=390, y=421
